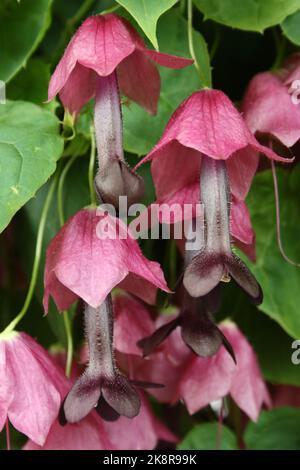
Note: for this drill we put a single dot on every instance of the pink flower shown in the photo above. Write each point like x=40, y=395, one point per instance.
x=103, y=44
x=207, y=135
x=93, y=433
x=29, y=386
x=269, y=110
x=209, y=379
x=81, y=264
x=207, y=124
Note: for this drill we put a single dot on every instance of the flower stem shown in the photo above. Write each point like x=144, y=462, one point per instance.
x=37, y=259
x=278, y=229
x=191, y=42
x=91, y=168
x=70, y=347
x=60, y=188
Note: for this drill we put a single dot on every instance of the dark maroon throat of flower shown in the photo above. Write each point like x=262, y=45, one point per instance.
x=101, y=386
x=215, y=261
x=114, y=177
x=198, y=329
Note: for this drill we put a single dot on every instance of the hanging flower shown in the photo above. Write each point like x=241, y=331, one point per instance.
x=29, y=386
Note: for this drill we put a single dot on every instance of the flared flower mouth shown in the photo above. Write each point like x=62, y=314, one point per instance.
x=215, y=261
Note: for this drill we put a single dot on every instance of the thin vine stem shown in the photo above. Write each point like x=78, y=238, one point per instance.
x=278, y=228
x=190, y=40
x=37, y=259
x=91, y=168
x=70, y=345
x=60, y=188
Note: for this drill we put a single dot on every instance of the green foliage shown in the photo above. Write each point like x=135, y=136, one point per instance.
x=280, y=280
x=22, y=27
x=207, y=436
x=275, y=430
x=147, y=14
x=250, y=15
x=29, y=148
x=291, y=28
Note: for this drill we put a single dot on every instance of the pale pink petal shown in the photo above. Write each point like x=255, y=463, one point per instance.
x=268, y=109
x=100, y=44
x=241, y=170
x=167, y=60
x=206, y=380
x=249, y=250
x=248, y=388
x=208, y=122
x=89, y=434
x=6, y=392
x=79, y=88
x=139, y=80
x=240, y=223
x=92, y=254
x=36, y=400
x=132, y=323
x=138, y=433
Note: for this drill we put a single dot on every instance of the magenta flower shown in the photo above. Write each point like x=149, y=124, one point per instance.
x=207, y=134
x=266, y=92
x=81, y=264
x=93, y=433
x=102, y=45
x=29, y=386
x=104, y=52
x=209, y=379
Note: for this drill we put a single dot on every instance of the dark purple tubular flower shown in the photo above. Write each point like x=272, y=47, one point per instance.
x=101, y=385
x=216, y=262
x=198, y=329
x=114, y=177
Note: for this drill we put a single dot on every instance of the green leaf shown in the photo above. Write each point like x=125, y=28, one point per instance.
x=275, y=430
x=291, y=28
x=29, y=147
x=147, y=13
x=280, y=280
x=22, y=27
x=31, y=83
x=142, y=131
x=205, y=437
x=250, y=15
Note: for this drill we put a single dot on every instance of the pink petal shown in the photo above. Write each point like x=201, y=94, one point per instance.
x=268, y=109
x=240, y=223
x=167, y=60
x=89, y=434
x=79, y=88
x=100, y=44
x=132, y=323
x=36, y=400
x=139, y=80
x=208, y=122
x=6, y=390
x=241, y=170
x=138, y=433
x=248, y=388
x=90, y=266
x=206, y=380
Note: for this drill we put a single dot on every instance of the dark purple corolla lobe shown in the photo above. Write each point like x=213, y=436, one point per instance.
x=114, y=177
x=101, y=386
x=198, y=330
x=216, y=262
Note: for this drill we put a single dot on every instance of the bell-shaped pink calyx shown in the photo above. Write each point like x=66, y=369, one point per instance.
x=93, y=253
x=268, y=109
x=209, y=379
x=206, y=123
x=101, y=45
x=29, y=386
